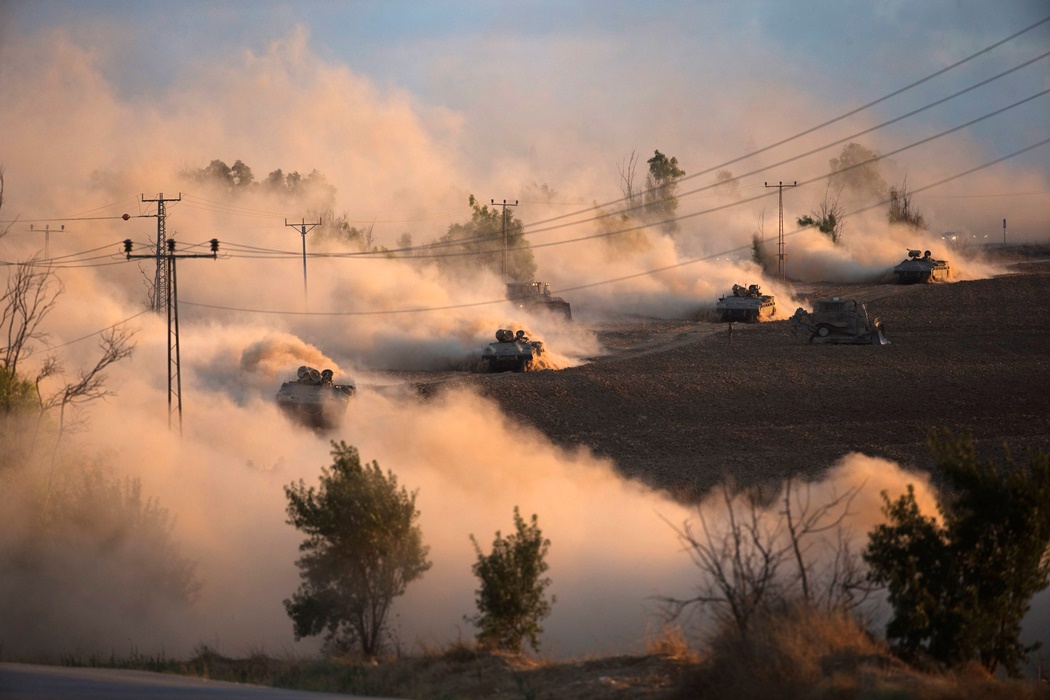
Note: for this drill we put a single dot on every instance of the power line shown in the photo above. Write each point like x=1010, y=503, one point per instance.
x=643, y=273
x=829, y=122
x=91, y=335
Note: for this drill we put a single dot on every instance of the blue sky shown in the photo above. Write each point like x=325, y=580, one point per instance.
x=545, y=91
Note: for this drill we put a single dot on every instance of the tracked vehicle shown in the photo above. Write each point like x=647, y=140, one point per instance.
x=511, y=351
x=842, y=321
x=537, y=295
x=920, y=267
x=746, y=304
x=314, y=399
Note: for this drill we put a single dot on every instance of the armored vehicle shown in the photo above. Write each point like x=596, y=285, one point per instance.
x=314, y=399
x=511, y=351
x=920, y=267
x=746, y=304
x=840, y=321
x=537, y=295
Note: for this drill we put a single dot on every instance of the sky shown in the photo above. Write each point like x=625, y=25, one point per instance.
x=408, y=109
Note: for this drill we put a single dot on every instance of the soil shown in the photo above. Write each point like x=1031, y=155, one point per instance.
x=681, y=404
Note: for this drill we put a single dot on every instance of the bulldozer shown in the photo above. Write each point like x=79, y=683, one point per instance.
x=842, y=321
x=537, y=295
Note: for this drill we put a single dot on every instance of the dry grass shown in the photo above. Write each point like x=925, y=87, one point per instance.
x=803, y=653
x=796, y=653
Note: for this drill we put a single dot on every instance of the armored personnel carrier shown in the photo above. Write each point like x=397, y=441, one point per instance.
x=511, y=351
x=537, y=295
x=920, y=267
x=843, y=321
x=746, y=304
x=314, y=399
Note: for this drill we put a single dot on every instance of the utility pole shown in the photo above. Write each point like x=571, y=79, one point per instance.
x=47, y=237
x=1004, y=233
x=505, y=205
x=303, y=230
x=160, y=282
x=780, y=236
x=172, y=300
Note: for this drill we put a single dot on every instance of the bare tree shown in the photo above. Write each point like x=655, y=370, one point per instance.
x=628, y=168
x=829, y=219
x=32, y=290
x=7, y=228
x=740, y=561
x=901, y=210
x=831, y=584
x=759, y=558
x=90, y=385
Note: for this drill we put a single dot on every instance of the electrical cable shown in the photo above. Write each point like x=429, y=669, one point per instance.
x=89, y=335
x=829, y=122
x=643, y=273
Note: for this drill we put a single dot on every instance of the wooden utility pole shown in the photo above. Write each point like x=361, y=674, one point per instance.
x=505, y=205
x=780, y=236
x=303, y=230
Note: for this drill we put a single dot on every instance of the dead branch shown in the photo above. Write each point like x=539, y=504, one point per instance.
x=32, y=290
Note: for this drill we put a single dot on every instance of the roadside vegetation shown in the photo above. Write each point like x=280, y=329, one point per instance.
x=785, y=617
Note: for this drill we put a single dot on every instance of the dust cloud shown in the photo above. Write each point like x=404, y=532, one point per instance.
x=612, y=554
x=88, y=149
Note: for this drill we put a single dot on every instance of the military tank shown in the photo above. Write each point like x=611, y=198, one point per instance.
x=511, y=351
x=920, y=267
x=841, y=321
x=746, y=304
x=314, y=399
x=537, y=295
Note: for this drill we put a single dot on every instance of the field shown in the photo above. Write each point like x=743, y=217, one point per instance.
x=682, y=404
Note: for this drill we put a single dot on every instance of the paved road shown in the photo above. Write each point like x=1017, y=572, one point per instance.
x=25, y=682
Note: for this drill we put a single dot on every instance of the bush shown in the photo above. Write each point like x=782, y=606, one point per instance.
x=960, y=586
x=511, y=599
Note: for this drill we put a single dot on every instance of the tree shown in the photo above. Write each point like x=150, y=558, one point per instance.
x=31, y=294
x=627, y=169
x=338, y=229
x=829, y=219
x=760, y=560
x=363, y=547
x=901, y=210
x=511, y=601
x=661, y=198
x=959, y=588
x=480, y=240
x=727, y=185
x=856, y=169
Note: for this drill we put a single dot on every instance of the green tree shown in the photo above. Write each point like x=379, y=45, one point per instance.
x=234, y=179
x=857, y=169
x=661, y=193
x=959, y=587
x=17, y=396
x=829, y=219
x=363, y=547
x=481, y=241
x=511, y=601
